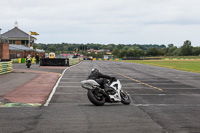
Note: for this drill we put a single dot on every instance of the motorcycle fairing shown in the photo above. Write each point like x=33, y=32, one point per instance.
x=87, y=84
x=117, y=86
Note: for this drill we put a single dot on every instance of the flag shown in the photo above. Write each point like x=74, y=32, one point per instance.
x=34, y=33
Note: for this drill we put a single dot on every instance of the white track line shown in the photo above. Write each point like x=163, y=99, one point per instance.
x=56, y=85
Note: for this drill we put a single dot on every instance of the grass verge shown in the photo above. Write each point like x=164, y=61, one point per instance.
x=184, y=65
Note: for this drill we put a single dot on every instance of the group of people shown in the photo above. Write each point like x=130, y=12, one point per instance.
x=37, y=57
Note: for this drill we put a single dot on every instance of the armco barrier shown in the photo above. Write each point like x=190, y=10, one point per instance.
x=5, y=67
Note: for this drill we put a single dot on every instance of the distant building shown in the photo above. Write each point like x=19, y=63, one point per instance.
x=20, y=44
x=98, y=51
x=108, y=57
x=19, y=37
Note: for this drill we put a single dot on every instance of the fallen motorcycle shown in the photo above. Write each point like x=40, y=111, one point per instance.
x=99, y=96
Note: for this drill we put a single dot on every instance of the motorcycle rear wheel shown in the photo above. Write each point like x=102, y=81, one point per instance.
x=96, y=100
x=125, y=98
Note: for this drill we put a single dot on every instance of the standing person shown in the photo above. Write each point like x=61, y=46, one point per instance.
x=37, y=58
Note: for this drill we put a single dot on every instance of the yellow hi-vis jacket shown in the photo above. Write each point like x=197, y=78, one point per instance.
x=28, y=58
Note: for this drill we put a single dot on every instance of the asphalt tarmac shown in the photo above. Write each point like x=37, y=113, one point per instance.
x=163, y=101
x=28, y=85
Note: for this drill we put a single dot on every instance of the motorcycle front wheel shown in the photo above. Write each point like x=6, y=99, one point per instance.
x=95, y=99
x=125, y=98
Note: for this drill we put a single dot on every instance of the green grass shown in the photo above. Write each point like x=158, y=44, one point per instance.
x=185, y=65
x=192, y=57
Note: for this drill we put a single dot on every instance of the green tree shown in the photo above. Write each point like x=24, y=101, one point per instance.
x=196, y=51
x=125, y=47
x=186, y=49
x=110, y=47
x=115, y=52
x=170, y=45
x=153, y=52
x=52, y=48
x=122, y=53
x=130, y=53
x=172, y=49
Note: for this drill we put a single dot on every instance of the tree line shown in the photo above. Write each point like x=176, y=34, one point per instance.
x=123, y=50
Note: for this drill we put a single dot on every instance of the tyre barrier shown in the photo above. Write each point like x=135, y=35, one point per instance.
x=5, y=67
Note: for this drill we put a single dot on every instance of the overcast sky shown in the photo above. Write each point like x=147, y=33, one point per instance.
x=105, y=21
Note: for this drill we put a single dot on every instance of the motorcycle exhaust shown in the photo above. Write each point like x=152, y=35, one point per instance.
x=102, y=91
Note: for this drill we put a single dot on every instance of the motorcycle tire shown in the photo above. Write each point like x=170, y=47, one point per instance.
x=125, y=98
x=28, y=66
x=96, y=100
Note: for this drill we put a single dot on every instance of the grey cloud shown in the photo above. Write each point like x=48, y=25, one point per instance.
x=113, y=20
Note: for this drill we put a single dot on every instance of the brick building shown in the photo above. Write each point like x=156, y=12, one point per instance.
x=20, y=51
x=19, y=37
x=20, y=44
x=4, y=49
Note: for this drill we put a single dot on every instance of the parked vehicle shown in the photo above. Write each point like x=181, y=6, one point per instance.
x=52, y=55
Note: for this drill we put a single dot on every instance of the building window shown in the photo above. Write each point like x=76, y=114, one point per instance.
x=13, y=56
x=12, y=42
x=18, y=55
x=24, y=42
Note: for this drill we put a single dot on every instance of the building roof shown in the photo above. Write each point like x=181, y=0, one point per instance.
x=16, y=33
x=40, y=51
x=14, y=47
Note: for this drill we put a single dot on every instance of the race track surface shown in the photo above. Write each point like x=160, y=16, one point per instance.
x=163, y=100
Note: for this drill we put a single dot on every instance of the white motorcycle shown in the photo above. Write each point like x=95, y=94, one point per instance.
x=99, y=96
